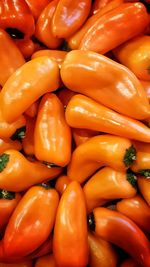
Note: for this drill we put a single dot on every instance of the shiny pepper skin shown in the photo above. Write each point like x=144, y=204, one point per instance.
x=56, y=55
x=99, y=151
x=34, y=217
x=37, y=6
x=26, y=47
x=61, y=184
x=22, y=89
x=144, y=187
x=103, y=78
x=52, y=135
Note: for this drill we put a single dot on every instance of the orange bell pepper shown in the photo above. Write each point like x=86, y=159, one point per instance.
x=20, y=264
x=102, y=253
x=16, y=18
x=11, y=57
x=46, y=261
x=81, y=136
x=137, y=210
x=146, y=86
x=26, y=85
x=61, y=184
x=108, y=184
x=6, y=144
x=98, y=151
x=18, y=174
x=56, y=55
x=144, y=187
x=106, y=33
x=70, y=243
x=142, y=164
x=37, y=6
x=43, y=250
x=103, y=78
x=28, y=140
x=8, y=202
x=52, y=135
x=129, y=263
x=43, y=29
x=118, y=229
x=33, y=109
x=26, y=47
x=69, y=17
x=75, y=40
x=135, y=55
x=85, y=113
x=31, y=222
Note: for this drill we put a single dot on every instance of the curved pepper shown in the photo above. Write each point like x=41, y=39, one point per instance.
x=43, y=29
x=43, y=250
x=37, y=6
x=34, y=217
x=102, y=253
x=16, y=18
x=35, y=78
x=26, y=47
x=8, y=202
x=20, y=264
x=56, y=55
x=28, y=140
x=129, y=263
x=142, y=164
x=118, y=229
x=52, y=135
x=137, y=210
x=11, y=57
x=81, y=135
x=135, y=55
x=61, y=184
x=108, y=184
x=98, y=151
x=85, y=113
x=70, y=243
x=106, y=33
x=6, y=144
x=103, y=78
x=33, y=109
x=69, y=17
x=144, y=187
x=18, y=174
x=46, y=261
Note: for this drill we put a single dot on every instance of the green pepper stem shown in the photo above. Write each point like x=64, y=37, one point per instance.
x=4, y=159
x=129, y=156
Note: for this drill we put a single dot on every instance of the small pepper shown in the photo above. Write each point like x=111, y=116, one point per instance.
x=6, y=143
x=81, y=135
x=61, y=184
x=144, y=187
x=46, y=261
x=26, y=47
x=142, y=164
x=56, y=55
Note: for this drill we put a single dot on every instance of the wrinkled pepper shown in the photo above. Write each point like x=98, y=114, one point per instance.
x=34, y=217
x=61, y=184
x=135, y=55
x=81, y=135
x=37, y=6
x=16, y=18
x=18, y=174
x=85, y=113
x=72, y=14
x=11, y=57
x=118, y=229
x=52, y=135
x=115, y=28
x=22, y=89
x=70, y=243
x=99, y=151
x=142, y=164
x=20, y=264
x=26, y=47
x=108, y=184
x=43, y=29
x=28, y=140
x=102, y=253
x=103, y=78
x=6, y=144
x=137, y=210
x=56, y=55
x=144, y=187
x=46, y=261
x=33, y=109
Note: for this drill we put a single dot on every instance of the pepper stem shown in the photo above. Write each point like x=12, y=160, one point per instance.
x=4, y=159
x=129, y=156
x=145, y=173
x=19, y=134
x=131, y=177
x=91, y=221
x=4, y=194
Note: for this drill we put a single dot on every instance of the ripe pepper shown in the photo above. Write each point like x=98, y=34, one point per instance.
x=81, y=135
x=22, y=89
x=142, y=147
x=99, y=5
x=11, y=57
x=56, y=55
x=142, y=164
x=61, y=184
x=28, y=140
x=108, y=184
x=70, y=243
x=144, y=187
x=8, y=202
x=85, y=113
x=146, y=86
x=46, y=261
x=33, y=109
x=52, y=135
x=98, y=151
x=43, y=250
x=111, y=25
x=102, y=253
x=6, y=144
x=37, y=6
x=18, y=174
x=65, y=95
x=69, y=17
x=103, y=78
x=118, y=229
x=43, y=29
x=75, y=40
x=19, y=264
x=26, y=47
x=129, y=263
x=34, y=217
x=16, y=18
x=137, y=210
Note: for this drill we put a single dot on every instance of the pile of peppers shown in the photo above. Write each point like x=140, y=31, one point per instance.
x=74, y=133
